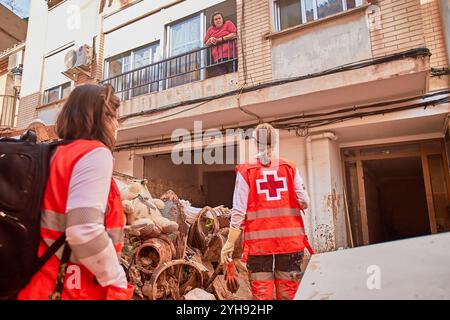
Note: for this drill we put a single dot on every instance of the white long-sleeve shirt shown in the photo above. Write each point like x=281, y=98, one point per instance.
x=241, y=192
x=86, y=206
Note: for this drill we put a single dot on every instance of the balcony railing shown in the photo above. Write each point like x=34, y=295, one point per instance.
x=7, y=111
x=191, y=66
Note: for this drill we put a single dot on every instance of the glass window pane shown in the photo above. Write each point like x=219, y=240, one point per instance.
x=141, y=57
x=126, y=63
x=185, y=36
x=66, y=88
x=309, y=6
x=157, y=54
x=351, y=4
x=52, y=95
x=290, y=13
x=115, y=67
x=328, y=7
x=144, y=79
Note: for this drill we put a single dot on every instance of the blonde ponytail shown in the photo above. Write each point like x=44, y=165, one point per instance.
x=266, y=138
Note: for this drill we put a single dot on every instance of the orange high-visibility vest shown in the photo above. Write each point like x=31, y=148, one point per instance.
x=53, y=225
x=273, y=224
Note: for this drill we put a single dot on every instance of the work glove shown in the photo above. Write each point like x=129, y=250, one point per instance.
x=228, y=247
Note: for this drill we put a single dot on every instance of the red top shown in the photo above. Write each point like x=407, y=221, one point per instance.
x=226, y=52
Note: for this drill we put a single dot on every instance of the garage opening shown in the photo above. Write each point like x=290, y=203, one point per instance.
x=201, y=184
x=396, y=191
x=395, y=199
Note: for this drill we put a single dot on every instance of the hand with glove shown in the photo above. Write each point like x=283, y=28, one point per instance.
x=230, y=277
x=228, y=247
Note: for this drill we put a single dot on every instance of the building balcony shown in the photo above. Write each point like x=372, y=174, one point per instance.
x=168, y=78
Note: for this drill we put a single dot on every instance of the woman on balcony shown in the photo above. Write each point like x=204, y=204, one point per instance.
x=221, y=37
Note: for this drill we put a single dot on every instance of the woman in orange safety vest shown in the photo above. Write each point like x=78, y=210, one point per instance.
x=82, y=201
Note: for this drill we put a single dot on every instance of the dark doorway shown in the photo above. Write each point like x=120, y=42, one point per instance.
x=220, y=187
x=395, y=199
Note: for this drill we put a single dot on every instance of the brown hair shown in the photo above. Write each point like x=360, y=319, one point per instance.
x=215, y=14
x=87, y=114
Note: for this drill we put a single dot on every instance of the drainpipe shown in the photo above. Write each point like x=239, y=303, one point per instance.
x=311, y=185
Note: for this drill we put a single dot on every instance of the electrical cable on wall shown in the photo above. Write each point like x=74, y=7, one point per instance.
x=302, y=127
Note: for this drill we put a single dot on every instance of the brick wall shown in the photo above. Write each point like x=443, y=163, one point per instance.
x=434, y=36
x=255, y=58
x=408, y=24
x=401, y=27
x=27, y=109
x=100, y=57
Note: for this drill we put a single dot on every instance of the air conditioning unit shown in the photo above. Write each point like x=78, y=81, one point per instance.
x=15, y=60
x=80, y=58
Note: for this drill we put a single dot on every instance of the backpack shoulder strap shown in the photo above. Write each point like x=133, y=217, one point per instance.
x=49, y=253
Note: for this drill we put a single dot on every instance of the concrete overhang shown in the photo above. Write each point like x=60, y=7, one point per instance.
x=408, y=125
x=405, y=77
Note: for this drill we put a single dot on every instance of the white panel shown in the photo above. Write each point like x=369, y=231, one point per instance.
x=74, y=20
x=416, y=268
x=37, y=28
x=53, y=66
x=120, y=41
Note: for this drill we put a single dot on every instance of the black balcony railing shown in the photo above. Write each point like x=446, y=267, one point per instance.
x=191, y=66
x=7, y=111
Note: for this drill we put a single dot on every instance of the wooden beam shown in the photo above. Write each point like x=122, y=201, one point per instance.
x=428, y=190
x=362, y=202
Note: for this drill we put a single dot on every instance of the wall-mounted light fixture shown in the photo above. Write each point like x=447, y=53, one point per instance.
x=17, y=78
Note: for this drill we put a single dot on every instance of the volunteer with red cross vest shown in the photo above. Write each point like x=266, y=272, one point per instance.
x=268, y=197
x=82, y=200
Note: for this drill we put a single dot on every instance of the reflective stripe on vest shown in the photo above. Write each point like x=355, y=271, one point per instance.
x=53, y=220
x=57, y=222
x=274, y=233
x=271, y=213
x=58, y=253
x=116, y=234
x=261, y=276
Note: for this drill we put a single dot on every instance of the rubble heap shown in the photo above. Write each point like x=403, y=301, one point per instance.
x=172, y=250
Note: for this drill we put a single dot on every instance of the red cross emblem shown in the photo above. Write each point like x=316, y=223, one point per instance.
x=271, y=185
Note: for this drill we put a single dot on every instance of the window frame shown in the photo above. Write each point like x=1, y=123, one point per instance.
x=60, y=92
x=154, y=57
x=130, y=53
x=168, y=43
x=277, y=12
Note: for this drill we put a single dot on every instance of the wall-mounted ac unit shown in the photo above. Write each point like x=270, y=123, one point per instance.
x=78, y=62
x=80, y=58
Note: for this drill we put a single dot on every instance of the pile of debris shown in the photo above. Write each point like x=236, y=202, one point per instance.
x=172, y=250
